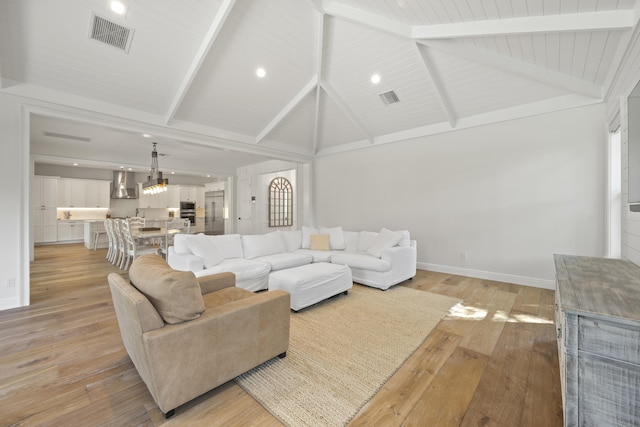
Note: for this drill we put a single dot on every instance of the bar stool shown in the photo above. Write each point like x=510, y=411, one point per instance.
x=96, y=237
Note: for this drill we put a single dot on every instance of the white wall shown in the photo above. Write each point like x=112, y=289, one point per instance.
x=14, y=262
x=509, y=195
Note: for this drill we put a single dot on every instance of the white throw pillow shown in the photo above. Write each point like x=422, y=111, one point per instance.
x=306, y=236
x=292, y=238
x=229, y=245
x=180, y=243
x=201, y=246
x=386, y=239
x=366, y=240
x=405, y=242
x=336, y=237
x=351, y=241
x=263, y=244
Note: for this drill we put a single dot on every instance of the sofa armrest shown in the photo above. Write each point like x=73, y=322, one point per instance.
x=402, y=258
x=191, y=358
x=184, y=262
x=215, y=282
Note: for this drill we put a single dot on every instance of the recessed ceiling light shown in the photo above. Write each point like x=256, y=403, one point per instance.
x=130, y=169
x=75, y=164
x=118, y=7
x=261, y=72
x=208, y=176
x=375, y=79
x=146, y=135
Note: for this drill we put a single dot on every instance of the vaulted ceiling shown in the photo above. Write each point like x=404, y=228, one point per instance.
x=188, y=74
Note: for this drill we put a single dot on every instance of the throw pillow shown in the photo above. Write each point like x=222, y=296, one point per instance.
x=175, y=294
x=306, y=236
x=386, y=239
x=200, y=245
x=319, y=242
x=336, y=237
x=257, y=245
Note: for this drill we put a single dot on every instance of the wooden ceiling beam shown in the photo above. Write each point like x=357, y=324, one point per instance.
x=333, y=94
x=209, y=39
x=585, y=21
x=521, y=68
x=437, y=83
x=288, y=108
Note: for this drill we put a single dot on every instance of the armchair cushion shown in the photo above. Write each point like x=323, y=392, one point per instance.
x=176, y=295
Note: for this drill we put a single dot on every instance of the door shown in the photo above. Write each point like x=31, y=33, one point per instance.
x=244, y=207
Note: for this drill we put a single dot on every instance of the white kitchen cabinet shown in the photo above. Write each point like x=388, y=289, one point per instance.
x=83, y=193
x=200, y=197
x=173, y=197
x=45, y=192
x=188, y=193
x=71, y=193
x=69, y=231
x=97, y=193
x=45, y=227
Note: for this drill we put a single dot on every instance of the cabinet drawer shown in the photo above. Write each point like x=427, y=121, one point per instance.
x=609, y=339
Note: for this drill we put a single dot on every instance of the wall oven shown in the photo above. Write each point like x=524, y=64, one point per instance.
x=188, y=211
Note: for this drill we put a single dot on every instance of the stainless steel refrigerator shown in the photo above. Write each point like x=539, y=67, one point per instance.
x=214, y=212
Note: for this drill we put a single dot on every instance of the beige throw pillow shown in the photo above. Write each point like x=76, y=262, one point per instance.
x=175, y=294
x=319, y=242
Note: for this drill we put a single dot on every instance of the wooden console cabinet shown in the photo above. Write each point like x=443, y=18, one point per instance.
x=598, y=329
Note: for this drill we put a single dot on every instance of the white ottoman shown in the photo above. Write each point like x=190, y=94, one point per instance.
x=311, y=283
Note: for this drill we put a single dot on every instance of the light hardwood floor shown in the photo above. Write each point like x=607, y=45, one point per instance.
x=491, y=363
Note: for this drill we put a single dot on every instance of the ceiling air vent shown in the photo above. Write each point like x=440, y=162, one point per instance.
x=65, y=136
x=109, y=32
x=389, y=97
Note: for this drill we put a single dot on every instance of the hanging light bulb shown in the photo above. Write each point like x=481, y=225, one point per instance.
x=155, y=183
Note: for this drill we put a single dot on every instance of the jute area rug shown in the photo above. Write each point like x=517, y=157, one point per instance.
x=342, y=351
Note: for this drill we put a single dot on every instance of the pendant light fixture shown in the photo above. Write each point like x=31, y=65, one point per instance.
x=155, y=183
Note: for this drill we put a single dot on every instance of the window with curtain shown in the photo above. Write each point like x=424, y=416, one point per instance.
x=280, y=203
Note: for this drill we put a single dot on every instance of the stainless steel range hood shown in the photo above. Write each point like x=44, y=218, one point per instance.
x=124, y=185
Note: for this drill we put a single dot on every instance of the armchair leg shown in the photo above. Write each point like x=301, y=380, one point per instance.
x=282, y=355
x=169, y=414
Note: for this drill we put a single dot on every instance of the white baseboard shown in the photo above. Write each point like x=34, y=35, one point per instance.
x=8, y=303
x=488, y=275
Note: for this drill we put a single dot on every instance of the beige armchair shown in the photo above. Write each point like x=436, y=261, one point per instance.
x=187, y=336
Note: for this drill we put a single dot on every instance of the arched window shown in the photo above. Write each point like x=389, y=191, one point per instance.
x=280, y=203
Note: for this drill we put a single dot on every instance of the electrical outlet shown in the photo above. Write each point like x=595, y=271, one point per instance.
x=10, y=281
x=463, y=256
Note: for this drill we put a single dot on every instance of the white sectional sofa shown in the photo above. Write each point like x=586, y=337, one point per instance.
x=378, y=259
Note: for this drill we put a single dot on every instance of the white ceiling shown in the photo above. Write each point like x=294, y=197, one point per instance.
x=189, y=78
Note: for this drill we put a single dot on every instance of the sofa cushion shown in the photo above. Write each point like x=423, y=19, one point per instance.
x=306, y=236
x=405, y=242
x=180, y=244
x=366, y=240
x=263, y=244
x=201, y=245
x=385, y=239
x=351, y=241
x=230, y=245
x=317, y=256
x=336, y=237
x=319, y=242
x=292, y=239
x=361, y=260
x=287, y=260
x=175, y=294
x=244, y=269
